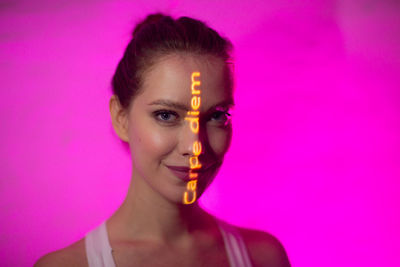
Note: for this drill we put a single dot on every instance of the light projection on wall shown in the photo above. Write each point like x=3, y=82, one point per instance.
x=189, y=196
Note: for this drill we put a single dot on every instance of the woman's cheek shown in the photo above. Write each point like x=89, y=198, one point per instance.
x=220, y=139
x=158, y=139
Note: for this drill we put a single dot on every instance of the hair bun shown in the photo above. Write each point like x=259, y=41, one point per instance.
x=158, y=35
x=150, y=19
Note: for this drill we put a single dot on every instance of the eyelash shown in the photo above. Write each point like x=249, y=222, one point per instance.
x=225, y=113
x=169, y=112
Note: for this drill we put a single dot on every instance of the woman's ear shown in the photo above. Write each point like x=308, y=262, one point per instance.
x=119, y=118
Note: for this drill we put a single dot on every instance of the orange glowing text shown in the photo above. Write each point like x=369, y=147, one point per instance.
x=190, y=195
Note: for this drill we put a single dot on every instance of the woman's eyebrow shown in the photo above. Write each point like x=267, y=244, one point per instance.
x=172, y=104
x=224, y=104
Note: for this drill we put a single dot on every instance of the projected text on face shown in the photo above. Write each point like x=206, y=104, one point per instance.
x=189, y=196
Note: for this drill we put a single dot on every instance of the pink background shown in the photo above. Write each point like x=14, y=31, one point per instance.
x=315, y=155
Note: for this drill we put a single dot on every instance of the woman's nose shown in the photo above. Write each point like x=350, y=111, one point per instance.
x=190, y=143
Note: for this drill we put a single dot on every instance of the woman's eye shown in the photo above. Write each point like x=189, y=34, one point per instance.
x=166, y=116
x=221, y=117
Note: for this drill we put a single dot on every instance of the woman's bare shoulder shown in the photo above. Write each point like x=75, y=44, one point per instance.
x=73, y=255
x=264, y=248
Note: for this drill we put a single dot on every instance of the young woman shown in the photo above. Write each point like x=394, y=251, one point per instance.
x=172, y=94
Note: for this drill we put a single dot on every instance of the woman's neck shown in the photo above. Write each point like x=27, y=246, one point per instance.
x=147, y=216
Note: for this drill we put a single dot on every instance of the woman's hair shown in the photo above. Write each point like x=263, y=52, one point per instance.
x=160, y=35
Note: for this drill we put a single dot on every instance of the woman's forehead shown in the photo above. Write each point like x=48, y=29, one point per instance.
x=182, y=65
x=171, y=78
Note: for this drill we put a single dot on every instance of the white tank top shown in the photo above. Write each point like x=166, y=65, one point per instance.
x=98, y=249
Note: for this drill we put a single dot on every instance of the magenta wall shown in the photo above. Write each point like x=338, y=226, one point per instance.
x=315, y=156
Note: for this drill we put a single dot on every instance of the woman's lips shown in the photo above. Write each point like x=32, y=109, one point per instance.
x=183, y=175
x=179, y=168
x=183, y=172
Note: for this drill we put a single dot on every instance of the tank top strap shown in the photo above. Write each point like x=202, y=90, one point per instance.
x=234, y=245
x=98, y=249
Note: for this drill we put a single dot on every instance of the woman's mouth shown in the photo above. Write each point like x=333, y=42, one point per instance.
x=183, y=172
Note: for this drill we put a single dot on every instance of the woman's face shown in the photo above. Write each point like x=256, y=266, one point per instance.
x=160, y=138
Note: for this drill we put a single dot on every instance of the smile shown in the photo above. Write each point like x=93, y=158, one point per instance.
x=183, y=172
